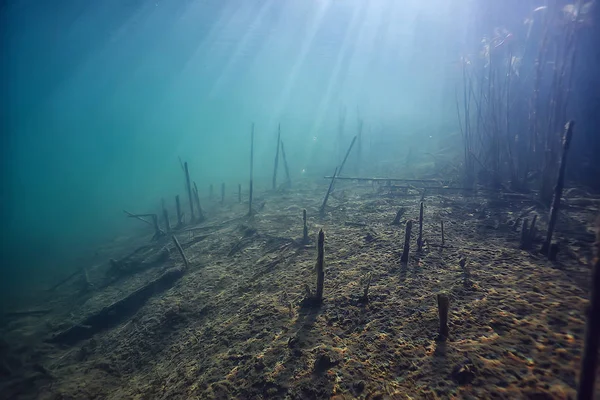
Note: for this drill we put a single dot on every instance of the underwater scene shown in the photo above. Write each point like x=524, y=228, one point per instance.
x=300, y=199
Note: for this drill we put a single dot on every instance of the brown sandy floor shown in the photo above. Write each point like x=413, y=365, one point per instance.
x=232, y=327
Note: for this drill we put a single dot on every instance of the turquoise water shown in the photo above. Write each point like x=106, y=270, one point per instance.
x=103, y=97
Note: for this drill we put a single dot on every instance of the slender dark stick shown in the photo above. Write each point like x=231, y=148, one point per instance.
x=305, y=229
x=198, y=206
x=347, y=154
x=320, y=271
x=181, y=253
x=137, y=217
x=560, y=182
x=322, y=211
x=420, y=239
x=251, y=168
x=189, y=190
x=179, y=215
x=166, y=216
x=443, y=240
x=346, y=178
x=589, y=361
x=276, y=157
x=285, y=164
x=406, y=250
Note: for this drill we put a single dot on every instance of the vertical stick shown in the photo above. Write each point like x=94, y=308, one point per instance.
x=420, y=239
x=322, y=212
x=320, y=272
x=404, y=257
x=239, y=192
x=524, y=234
x=592, y=332
x=189, y=190
x=179, y=215
x=305, y=230
x=198, y=206
x=347, y=154
x=285, y=164
x=276, y=158
x=443, y=303
x=359, y=145
x=165, y=216
x=222, y=193
x=443, y=241
x=560, y=182
x=157, y=231
x=251, y=168
x=181, y=253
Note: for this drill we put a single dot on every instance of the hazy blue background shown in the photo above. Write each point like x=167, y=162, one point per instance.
x=100, y=98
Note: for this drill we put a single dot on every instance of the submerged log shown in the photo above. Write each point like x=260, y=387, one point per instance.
x=443, y=303
x=189, y=190
x=117, y=311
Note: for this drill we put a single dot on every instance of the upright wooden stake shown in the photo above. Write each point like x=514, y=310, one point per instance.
x=420, y=238
x=276, y=158
x=251, y=168
x=305, y=230
x=239, y=192
x=179, y=215
x=322, y=211
x=560, y=182
x=165, y=216
x=404, y=257
x=443, y=303
x=189, y=190
x=285, y=164
x=589, y=361
x=320, y=271
x=442, y=223
x=198, y=206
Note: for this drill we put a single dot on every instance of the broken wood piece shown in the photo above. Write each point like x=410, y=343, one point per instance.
x=443, y=305
x=288, y=182
x=305, y=229
x=239, y=192
x=179, y=214
x=319, y=267
x=406, y=250
x=166, y=216
x=189, y=190
x=157, y=231
x=420, y=238
x=276, y=157
x=322, y=210
x=201, y=216
x=399, y=215
x=251, y=169
x=442, y=226
x=181, y=253
x=117, y=311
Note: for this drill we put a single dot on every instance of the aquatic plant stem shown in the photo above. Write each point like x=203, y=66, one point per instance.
x=560, y=182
